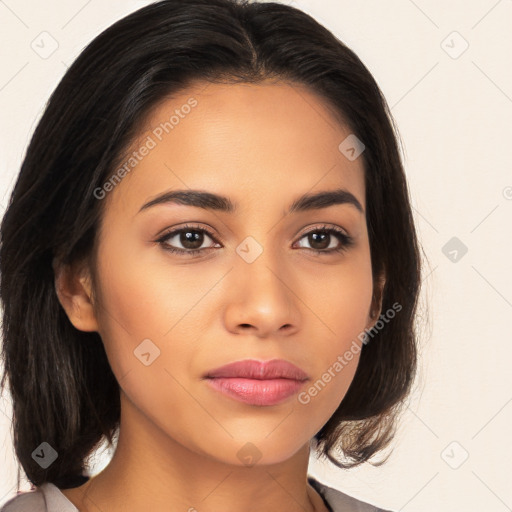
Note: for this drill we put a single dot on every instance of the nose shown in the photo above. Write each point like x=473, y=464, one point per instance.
x=261, y=300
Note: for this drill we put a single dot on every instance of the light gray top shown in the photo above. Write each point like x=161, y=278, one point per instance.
x=46, y=498
x=49, y=498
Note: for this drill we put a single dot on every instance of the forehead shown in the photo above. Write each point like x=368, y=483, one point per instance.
x=245, y=141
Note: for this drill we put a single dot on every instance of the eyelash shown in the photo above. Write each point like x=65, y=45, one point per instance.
x=346, y=241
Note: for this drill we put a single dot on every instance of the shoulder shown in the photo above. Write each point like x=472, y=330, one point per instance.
x=341, y=502
x=45, y=498
x=30, y=501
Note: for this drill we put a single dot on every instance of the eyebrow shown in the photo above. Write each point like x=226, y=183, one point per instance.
x=210, y=201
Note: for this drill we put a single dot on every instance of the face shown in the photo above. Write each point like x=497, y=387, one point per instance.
x=259, y=282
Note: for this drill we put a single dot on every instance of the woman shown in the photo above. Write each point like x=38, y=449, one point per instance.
x=209, y=252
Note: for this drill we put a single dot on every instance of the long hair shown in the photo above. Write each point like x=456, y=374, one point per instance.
x=63, y=390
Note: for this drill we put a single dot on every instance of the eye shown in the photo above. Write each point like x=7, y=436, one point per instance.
x=191, y=238
x=321, y=239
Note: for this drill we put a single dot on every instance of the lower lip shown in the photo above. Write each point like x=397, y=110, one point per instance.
x=256, y=392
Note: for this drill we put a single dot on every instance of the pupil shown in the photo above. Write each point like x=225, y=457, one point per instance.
x=315, y=236
x=193, y=238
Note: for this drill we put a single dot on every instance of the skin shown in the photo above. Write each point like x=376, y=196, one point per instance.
x=262, y=146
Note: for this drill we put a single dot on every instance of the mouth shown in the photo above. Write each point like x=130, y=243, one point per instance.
x=258, y=383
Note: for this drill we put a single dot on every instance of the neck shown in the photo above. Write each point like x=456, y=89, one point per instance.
x=151, y=471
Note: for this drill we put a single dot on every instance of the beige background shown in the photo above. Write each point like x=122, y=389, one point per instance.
x=453, y=106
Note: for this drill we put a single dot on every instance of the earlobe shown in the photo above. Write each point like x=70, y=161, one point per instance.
x=74, y=291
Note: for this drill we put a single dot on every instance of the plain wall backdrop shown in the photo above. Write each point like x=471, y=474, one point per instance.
x=445, y=70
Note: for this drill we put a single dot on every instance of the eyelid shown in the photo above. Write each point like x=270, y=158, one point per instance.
x=346, y=240
x=325, y=227
x=171, y=232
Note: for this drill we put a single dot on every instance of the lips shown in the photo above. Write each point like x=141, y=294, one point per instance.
x=256, y=382
x=261, y=370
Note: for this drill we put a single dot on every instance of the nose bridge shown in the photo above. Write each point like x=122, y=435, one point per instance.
x=263, y=296
x=261, y=267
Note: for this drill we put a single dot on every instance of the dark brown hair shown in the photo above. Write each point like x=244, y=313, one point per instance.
x=63, y=389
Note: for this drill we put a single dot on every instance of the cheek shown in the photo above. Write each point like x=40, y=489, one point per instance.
x=341, y=309
x=136, y=290
x=149, y=341
x=324, y=393
x=136, y=313
x=340, y=299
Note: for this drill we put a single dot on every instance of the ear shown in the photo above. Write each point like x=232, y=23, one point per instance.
x=74, y=291
x=376, y=305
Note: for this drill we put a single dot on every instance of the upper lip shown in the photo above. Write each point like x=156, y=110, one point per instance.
x=261, y=370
